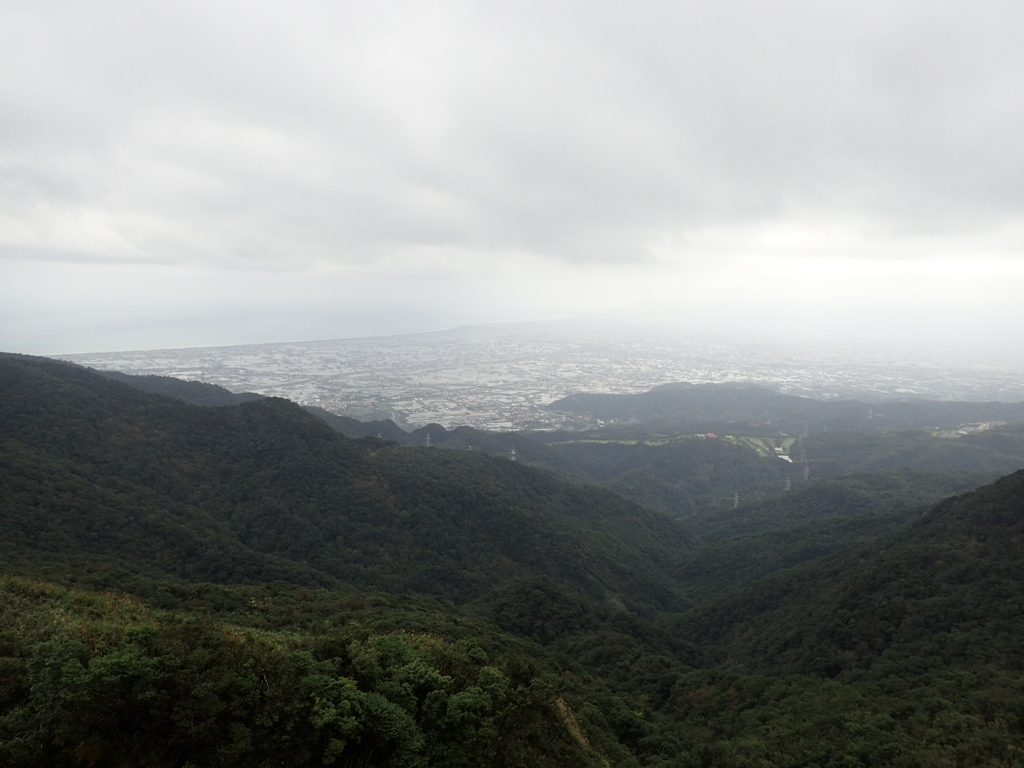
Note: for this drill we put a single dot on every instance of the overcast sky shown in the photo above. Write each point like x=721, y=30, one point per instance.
x=188, y=173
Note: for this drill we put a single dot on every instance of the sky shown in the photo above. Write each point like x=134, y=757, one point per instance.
x=212, y=173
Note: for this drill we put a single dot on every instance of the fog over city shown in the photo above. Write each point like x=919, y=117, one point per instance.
x=203, y=174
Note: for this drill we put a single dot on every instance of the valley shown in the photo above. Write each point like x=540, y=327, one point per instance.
x=190, y=577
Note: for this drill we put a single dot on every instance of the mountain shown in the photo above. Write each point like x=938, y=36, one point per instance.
x=683, y=472
x=999, y=450
x=464, y=438
x=711, y=406
x=767, y=535
x=242, y=584
x=679, y=474
x=96, y=469
x=513, y=445
x=195, y=392
x=350, y=427
x=293, y=679
x=945, y=591
x=108, y=487
x=843, y=497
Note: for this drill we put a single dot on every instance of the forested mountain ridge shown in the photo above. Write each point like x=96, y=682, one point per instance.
x=759, y=537
x=688, y=474
x=230, y=485
x=111, y=487
x=999, y=450
x=386, y=430
x=655, y=465
x=339, y=678
x=947, y=590
x=504, y=444
x=195, y=392
x=574, y=643
x=703, y=405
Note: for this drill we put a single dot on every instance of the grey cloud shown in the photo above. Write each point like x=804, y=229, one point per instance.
x=571, y=131
x=443, y=141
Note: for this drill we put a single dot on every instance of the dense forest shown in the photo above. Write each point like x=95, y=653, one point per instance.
x=703, y=406
x=199, y=579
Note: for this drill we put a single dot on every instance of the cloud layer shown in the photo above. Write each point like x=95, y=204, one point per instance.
x=187, y=168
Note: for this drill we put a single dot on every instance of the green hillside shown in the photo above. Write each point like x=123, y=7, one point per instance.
x=756, y=539
x=243, y=585
x=89, y=679
x=945, y=591
x=703, y=406
x=238, y=493
x=688, y=473
x=880, y=494
x=999, y=450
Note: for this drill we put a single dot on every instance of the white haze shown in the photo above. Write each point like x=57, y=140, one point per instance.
x=185, y=174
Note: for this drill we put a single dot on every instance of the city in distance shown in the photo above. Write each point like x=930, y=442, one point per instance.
x=502, y=376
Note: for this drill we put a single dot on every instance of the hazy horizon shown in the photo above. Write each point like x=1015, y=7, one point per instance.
x=966, y=354
x=209, y=175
